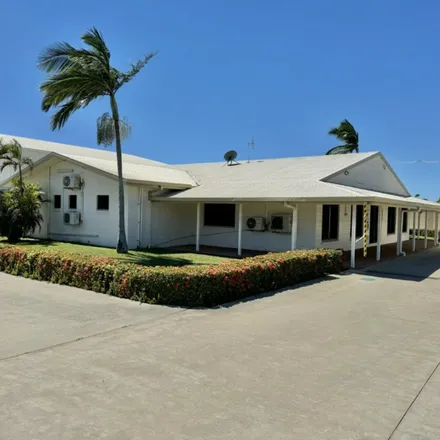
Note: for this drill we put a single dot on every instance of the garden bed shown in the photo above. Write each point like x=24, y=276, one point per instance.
x=190, y=286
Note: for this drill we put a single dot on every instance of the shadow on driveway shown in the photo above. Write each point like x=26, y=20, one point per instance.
x=414, y=267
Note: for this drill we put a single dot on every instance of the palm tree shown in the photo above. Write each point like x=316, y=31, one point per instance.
x=11, y=155
x=346, y=133
x=20, y=210
x=76, y=78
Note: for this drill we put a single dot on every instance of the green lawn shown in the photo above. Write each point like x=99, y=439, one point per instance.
x=149, y=257
x=421, y=237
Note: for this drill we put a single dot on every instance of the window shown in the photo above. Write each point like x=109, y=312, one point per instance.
x=405, y=221
x=72, y=201
x=102, y=203
x=57, y=202
x=219, y=214
x=330, y=222
x=391, y=225
x=359, y=221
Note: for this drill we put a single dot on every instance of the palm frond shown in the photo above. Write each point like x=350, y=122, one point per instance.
x=60, y=117
x=346, y=133
x=8, y=163
x=11, y=155
x=106, y=133
x=27, y=161
x=75, y=84
x=94, y=39
x=135, y=69
x=56, y=57
x=341, y=149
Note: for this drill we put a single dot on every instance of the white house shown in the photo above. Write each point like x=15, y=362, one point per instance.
x=262, y=205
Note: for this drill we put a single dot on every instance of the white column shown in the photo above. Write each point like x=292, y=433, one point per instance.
x=414, y=231
x=399, y=230
x=402, y=213
x=418, y=226
x=294, y=236
x=240, y=226
x=436, y=230
x=198, y=227
x=353, y=237
x=426, y=229
x=379, y=232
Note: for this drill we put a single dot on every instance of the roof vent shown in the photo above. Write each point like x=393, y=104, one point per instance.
x=230, y=157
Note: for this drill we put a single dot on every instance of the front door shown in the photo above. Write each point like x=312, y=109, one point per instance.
x=374, y=220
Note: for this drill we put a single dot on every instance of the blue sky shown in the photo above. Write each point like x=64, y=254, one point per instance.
x=283, y=72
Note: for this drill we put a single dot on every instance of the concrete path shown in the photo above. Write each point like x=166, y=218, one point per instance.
x=418, y=266
x=36, y=315
x=354, y=357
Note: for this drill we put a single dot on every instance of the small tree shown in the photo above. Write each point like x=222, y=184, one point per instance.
x=20, y=210
x=346, y=133
x=11, y=155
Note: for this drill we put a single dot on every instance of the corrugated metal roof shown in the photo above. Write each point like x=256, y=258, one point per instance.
x=56, y=147
x=135, y=169
x=288, y=179
x=138, y=172
x=293, y=177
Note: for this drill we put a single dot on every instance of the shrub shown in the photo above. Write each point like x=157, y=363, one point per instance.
x=184, y=286
x=421, y=233
x=20, y=208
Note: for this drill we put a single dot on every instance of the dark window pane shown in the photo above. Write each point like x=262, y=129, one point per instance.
x=391, y=224
x=374, y=221
x=359, y=221
x=57, y=202
x=405, y=221
x=325, y=222
x=330, y=222
x=103, y=203
x=219, y=214
x=334, y=222
x=72, y=201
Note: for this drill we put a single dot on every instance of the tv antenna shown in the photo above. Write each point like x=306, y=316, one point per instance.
x=230, y=157
x=251, y=146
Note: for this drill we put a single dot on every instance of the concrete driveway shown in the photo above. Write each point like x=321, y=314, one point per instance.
x=415, y=266
x=353, y=357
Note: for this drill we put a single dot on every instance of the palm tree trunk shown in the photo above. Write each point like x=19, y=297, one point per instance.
x=20, y=178
x=122, y=247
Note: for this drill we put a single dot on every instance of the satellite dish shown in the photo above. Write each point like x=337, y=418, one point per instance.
x=230, y=156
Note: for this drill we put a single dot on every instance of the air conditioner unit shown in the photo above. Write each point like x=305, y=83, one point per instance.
x=72, y=218
x=281, y=223
x=72, y=181
x=255, y=223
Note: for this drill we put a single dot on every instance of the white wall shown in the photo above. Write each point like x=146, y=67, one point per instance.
x=132, y=215
x=97, y=227
x=372, y=174
x=174, y=224
x=343, y=241
x=431, y=221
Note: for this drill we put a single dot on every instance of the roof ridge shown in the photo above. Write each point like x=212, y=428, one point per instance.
x=339, y=156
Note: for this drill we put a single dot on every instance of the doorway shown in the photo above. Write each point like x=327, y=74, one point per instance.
x=374, y=223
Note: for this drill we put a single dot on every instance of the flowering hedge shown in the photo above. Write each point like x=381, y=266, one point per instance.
x=185, y=286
